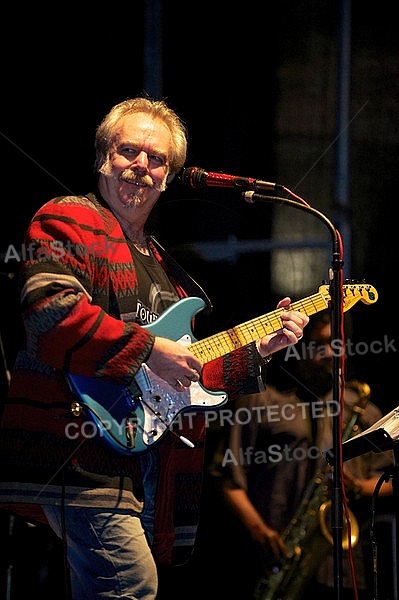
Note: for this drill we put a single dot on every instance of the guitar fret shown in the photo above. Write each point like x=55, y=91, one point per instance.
x=253, y=330
x=213, y=347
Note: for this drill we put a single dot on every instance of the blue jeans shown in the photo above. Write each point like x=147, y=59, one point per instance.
x=107, y=552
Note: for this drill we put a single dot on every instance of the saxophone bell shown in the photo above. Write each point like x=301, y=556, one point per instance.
x=325, y=526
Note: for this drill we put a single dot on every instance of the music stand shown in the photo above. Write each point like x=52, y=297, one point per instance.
x=383, y=435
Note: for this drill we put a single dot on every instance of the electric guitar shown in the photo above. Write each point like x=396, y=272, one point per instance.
x=132, y=419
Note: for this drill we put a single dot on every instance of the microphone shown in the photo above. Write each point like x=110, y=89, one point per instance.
x=198, y=178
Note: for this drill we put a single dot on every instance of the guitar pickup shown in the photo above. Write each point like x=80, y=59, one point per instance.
x=131, y=429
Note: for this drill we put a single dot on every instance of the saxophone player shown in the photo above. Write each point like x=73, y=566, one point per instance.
x=264, y=465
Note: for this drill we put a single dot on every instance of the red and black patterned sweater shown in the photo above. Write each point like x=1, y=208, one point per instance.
x=77, y=286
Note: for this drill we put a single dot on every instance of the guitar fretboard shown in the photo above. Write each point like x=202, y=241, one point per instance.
x=225, y=342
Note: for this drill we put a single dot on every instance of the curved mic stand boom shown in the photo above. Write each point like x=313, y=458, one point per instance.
x=336, y=294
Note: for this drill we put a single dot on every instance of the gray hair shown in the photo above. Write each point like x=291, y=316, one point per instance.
x=105, y=133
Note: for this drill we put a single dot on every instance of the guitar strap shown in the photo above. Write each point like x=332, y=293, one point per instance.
x=191, y=287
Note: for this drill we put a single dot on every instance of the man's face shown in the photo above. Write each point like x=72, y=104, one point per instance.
x=137, y=167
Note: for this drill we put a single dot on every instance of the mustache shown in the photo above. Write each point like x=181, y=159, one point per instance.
x=130, y=177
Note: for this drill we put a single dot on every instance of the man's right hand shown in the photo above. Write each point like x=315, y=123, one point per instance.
x=174, y=363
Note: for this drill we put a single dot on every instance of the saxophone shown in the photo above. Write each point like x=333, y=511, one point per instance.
x=307, y=536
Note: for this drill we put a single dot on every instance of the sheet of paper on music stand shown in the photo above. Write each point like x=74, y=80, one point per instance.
x=382, y=435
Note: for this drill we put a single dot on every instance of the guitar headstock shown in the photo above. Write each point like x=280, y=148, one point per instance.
x=352, y=293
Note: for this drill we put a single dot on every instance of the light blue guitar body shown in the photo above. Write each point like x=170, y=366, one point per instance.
x=132, y=419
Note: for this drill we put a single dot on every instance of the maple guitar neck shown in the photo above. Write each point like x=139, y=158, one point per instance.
x=225, y=342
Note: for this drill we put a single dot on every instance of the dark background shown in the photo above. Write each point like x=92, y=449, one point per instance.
x=262, y=95
x=304, y=93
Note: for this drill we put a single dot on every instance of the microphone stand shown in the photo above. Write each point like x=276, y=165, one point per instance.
x=395, y=484
x=336, y=294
